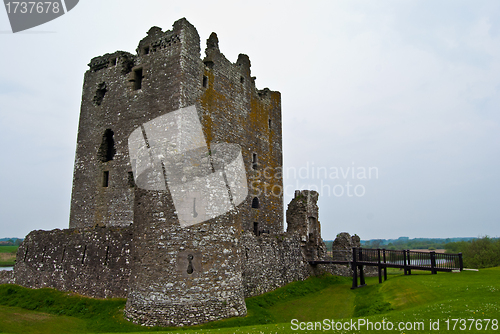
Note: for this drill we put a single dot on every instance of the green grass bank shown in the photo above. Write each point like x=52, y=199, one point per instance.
x=417, y=301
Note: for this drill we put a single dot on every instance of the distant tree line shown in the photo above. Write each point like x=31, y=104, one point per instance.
x=400, y=244
x=477, y=253
x=407, y=243
x=11, y=242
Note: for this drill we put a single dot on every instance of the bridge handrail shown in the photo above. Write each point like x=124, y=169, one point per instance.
x=407, y=258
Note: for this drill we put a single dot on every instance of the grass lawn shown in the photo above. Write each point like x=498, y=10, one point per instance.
x=18, y=320
x=412, y=300
x=7, y=255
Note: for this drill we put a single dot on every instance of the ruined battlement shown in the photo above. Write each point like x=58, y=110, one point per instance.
x=124, y=60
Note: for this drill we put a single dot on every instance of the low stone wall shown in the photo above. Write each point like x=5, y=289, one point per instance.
x=271, y=261
x=7, y=277
x=94, y=263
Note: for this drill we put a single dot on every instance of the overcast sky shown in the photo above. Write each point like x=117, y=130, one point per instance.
x=406, y=90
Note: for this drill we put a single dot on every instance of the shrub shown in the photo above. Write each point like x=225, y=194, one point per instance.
x=478, y=253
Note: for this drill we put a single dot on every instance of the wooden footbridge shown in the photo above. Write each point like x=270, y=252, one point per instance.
x=383, y=259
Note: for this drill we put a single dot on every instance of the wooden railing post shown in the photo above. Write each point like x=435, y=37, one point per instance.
x=379, y=266
x=361, y=271
x=408, y=254
x=433, y=262
x=461, y=261
x=404, y=262
x=385, y=266
x=354, y=270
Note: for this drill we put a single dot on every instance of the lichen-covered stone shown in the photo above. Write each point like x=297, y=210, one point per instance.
x=183, y=276
x=94, y=263
x=271, y=261
x=7, y=277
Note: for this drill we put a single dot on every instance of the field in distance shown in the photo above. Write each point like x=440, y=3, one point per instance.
x=7, y=255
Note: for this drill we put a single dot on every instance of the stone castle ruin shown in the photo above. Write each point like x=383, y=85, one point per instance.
x=171, y=207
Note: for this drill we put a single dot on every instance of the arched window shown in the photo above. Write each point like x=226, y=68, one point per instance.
x=255, y=203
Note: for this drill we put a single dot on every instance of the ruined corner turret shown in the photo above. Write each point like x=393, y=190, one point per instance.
x=302, y=218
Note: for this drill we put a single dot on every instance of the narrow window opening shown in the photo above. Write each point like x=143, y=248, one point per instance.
x=99, y=93
x=105, y=179
x=107, y=254
x=205, y=82
x=255, y=203
x=131, y=182
x=190, y=268
x=209, y=64
x=107, y=149
x=63, y=253
x=112, y=61
x=312, y=226
x=269, y=123
x=256, y=228
x=254, y=161
x=146, y=50
x=84, y=253
x=138, y=78
x=242, y=80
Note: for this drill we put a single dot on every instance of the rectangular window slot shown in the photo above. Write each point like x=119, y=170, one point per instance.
x=107, y=255
x=256, y=228
x=84, y=253
x=205, y=82
x=254, y=161
x=105, y=179
x=138, y=79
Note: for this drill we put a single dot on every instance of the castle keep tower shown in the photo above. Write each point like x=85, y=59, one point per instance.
x=188, y=153
x=122, y=92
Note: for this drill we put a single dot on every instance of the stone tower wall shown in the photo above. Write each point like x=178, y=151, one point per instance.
x=164, y=77
x=230, y=109
x=235, y=111
x=183, y=276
